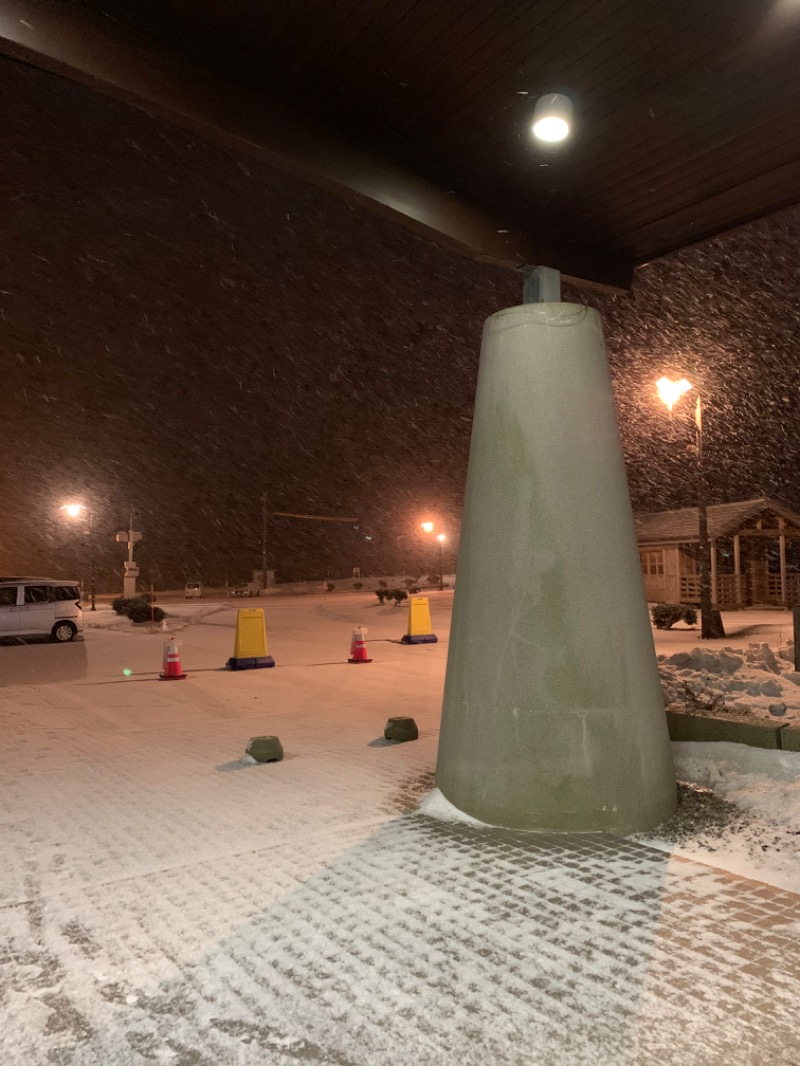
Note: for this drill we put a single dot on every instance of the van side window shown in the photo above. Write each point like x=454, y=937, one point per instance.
x=36, y=594
x=64, y=592
x=8, y=596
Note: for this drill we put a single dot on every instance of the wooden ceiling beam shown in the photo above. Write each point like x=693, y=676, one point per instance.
x=111, y=59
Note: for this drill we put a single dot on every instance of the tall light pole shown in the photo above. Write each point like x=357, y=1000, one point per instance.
x=74, y=511
x=429, y=527
x=670, y=392
x=441, y=537
x=264, y=542
x=426, y=527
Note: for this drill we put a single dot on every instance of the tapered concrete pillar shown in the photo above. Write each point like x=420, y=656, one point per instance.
x=553, y=717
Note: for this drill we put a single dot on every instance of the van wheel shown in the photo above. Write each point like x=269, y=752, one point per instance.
x=63, y=632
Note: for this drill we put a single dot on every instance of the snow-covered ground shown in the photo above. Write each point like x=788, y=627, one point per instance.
x=740, y=811
x=167, y=901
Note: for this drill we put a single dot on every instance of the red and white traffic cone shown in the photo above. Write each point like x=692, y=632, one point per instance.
x=172, y=663
x=358, y=646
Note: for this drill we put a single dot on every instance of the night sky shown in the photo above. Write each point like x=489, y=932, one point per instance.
x=183, y=328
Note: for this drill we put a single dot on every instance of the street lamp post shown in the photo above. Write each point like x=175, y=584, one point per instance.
x=74, y=511
x=426, y=527
x=429, y=527
x=92, y=587
x=264, y=542
x=670, y=392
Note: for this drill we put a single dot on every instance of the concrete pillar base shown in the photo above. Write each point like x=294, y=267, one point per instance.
x=553, y=717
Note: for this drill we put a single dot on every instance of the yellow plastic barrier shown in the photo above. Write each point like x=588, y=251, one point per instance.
x=250, y=645
x=419, y=622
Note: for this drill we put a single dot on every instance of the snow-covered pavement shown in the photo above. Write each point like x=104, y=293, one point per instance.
x=165, y=901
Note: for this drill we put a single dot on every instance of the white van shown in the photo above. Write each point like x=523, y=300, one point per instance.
x=40, y=606
x=194, y=590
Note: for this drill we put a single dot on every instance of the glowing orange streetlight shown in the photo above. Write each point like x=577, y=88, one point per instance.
x=670, y=392
x=427, y=526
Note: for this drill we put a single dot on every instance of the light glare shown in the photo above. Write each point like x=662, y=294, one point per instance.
x=552, y=118
x=551, y=129
x=671, y=391
x=427, y=526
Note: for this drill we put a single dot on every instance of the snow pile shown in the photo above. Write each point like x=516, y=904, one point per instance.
x=749, y=683
x=767, y=782
x=739, y=810
x=435, y=805
x=104, y=618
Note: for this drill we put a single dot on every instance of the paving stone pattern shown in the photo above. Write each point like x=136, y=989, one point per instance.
x=425, y=942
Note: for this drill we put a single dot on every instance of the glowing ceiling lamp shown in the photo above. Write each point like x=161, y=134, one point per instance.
x=552, y=119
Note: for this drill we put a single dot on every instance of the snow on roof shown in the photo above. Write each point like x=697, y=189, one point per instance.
x=724, y=519
x=28, y=578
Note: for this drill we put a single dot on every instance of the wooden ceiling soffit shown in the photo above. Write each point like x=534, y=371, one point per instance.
x=111, y=59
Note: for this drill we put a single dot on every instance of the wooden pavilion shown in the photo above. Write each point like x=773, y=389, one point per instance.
x=755, y=555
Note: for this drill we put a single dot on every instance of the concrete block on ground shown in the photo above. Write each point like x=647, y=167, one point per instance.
x=401, y=729
x=265, y=749
x=790, y=738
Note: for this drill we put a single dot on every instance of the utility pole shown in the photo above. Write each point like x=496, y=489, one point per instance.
x=92, y=585
x=264, y=541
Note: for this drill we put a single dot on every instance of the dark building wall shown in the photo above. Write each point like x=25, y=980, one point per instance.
x=183, y=328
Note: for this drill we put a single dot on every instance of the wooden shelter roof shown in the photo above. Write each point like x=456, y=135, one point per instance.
x=687, y=111
x=724, y=520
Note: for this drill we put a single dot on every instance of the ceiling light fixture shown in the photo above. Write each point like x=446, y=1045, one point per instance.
x=552, y=119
